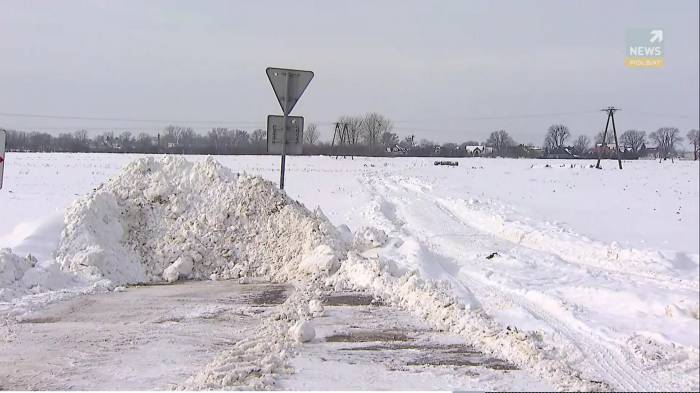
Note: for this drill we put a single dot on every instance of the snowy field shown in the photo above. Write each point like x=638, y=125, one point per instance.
x=583, y=279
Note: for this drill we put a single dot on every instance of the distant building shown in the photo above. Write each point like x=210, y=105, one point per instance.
x=477, y=150
x=560, y=153
x=397, y=150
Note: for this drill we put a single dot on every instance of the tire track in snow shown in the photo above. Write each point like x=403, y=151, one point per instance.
x=606, y=360
x=638, y=270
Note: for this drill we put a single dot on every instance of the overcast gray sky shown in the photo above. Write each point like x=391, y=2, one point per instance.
x=443, y=70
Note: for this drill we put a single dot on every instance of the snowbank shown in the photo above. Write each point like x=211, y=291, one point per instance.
x=436, y=303
x=24, y=276
x=12, y=270
x=171, y=219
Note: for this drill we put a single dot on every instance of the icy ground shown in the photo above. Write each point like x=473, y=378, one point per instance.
x=587, y=279
x=156, y=337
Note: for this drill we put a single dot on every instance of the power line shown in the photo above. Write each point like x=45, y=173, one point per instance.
x=57, y=117
x=123, y=119
x=505, y=117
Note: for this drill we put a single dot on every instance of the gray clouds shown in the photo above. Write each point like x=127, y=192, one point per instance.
x=449, y=70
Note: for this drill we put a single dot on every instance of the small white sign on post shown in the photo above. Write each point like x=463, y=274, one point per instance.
x=2, y=155
x=294, y=138
x=288, y=85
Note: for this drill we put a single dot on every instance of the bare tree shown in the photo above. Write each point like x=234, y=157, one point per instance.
x=258, y=137
x=556, y=136
x=373, y=126
x=144, y=143
x=449, y=149
x=609, y=138
x=240, y=139
x=389, y=139
x=125, y=141
x=694, y=139
x=633, y=140
x=217, y=139
x=666, y=139
x=582, y=144
x=187, y=137
x=500, y=141
x=311, y=134
x=81, y=142
x=408, y=142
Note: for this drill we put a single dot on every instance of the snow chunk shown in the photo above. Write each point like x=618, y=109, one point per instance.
x=369, y=237
x=322, y=259
x=182, y=267
x=316, y=307
x=302, y=331
x=12, y=270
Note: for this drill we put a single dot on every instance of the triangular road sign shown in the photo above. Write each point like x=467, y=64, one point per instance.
x=288, y=85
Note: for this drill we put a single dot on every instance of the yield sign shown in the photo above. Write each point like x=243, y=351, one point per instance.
x=288, y=85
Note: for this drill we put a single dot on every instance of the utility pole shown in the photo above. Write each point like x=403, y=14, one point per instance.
x=611, y=117
x=343, y=134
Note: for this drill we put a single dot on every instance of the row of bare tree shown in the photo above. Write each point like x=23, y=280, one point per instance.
x=173, y=139
x=665, y=141
x=370, y=134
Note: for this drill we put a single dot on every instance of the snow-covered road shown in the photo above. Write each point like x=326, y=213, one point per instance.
x=157, y=337
x=533, y=285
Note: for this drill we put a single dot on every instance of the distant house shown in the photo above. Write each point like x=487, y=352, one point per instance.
x=560, y=153
x=608, y=151
x=474, y=151
x=397, y=150
x=532, y=151
x=652, y=152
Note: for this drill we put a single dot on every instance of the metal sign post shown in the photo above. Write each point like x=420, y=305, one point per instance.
x=288, y=85
x=2, y=155
x=284, y=133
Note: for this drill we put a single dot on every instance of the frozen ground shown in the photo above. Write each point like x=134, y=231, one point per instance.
x=596, y=271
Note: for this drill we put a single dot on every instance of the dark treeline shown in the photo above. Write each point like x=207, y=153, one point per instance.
x=173, y=139
x=371, y=134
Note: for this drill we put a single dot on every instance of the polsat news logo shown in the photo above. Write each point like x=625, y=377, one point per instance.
x=645, y=48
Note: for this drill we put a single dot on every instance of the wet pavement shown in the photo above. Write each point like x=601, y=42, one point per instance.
x=362, y=343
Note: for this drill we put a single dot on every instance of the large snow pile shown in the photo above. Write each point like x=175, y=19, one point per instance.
x=160, y=220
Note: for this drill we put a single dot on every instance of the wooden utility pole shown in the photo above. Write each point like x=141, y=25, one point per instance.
x=611, y=117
